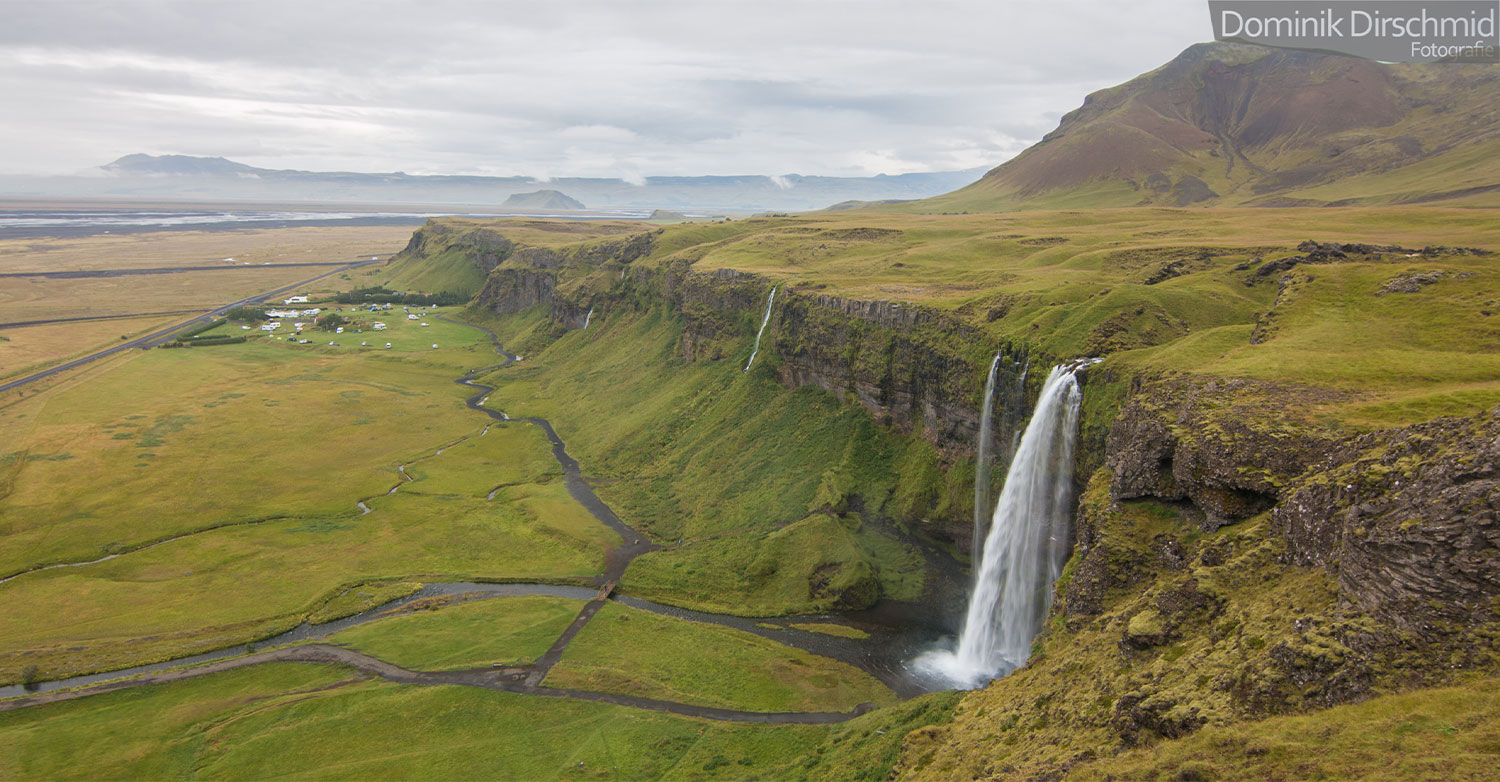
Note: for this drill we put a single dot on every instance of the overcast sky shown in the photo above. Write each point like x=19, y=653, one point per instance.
x=567, y=87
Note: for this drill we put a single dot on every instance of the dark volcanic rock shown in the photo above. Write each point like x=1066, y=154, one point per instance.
x=1409, y=521
x=1226, y=446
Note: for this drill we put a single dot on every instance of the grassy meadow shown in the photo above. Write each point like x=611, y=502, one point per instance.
x=325, y=722
x=34, y=348
x=248, y=461
x=1170, y=290
x=633, y=652
x=500, y=630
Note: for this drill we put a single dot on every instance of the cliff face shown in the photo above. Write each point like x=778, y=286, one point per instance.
x=1235, y=559
x=1235, y=556
x=1408, y=521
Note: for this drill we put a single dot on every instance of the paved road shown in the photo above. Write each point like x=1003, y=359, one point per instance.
x=159, y=337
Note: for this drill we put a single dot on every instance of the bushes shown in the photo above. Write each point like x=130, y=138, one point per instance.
x=380, y=295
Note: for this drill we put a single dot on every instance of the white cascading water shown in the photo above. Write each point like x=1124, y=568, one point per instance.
x=763, y=321
x=982, y=465
x=587, y=318
x=1026, y=547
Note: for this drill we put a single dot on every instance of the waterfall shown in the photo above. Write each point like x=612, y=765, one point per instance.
x=587, y=318
x=1026, y=546
x=763, y=321
x=1012, y=399
x=982, y=465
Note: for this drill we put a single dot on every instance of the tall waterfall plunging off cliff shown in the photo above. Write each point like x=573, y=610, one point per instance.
x=587, y=318
x=763, y=321
x=1025, y=549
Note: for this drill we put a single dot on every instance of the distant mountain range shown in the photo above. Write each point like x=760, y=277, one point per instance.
x=1230, y=124
x=181, y=177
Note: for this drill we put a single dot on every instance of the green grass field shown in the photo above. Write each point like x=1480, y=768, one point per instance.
x=633, y=652
x=323, y=722
x=508, y=630
x=257, y=453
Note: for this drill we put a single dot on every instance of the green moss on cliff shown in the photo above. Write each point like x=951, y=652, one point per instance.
x=767, y=488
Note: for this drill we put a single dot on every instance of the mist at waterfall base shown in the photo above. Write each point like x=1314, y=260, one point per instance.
x=1025, y=550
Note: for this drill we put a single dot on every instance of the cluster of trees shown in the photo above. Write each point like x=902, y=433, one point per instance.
x=204, y=341
x=331, y=321
x=378, y=295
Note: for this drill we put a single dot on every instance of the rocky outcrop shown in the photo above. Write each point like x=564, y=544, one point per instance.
x=1409, y=522
x=1227, y=446
x=511, y=290
x=486, y=247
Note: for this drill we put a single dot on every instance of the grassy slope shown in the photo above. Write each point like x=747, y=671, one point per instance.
x=666, y=433
x=1439, y=734
x=634, y=652
x=284, y=720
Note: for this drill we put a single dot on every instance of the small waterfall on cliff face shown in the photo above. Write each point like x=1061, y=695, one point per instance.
x=982, y=465
x=763, y=321
x=1025, y=549
x=587, y=318
x=1010, y=421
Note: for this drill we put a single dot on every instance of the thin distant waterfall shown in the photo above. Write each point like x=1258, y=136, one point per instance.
x=587, y=318
x=1010, y=421
x=763, y=321
x=982, y=465
x=1026, y=546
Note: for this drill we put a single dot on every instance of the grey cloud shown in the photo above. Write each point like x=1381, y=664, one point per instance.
x=577, y=88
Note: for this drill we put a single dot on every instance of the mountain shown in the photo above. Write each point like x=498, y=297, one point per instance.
x=1231, y=124
x=542, y=199
x=181, y=177
x=174, y=165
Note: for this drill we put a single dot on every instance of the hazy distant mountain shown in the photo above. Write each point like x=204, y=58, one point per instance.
x=542, y=199
x=180, y=177
x=173, y=165
x=1229, y=124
